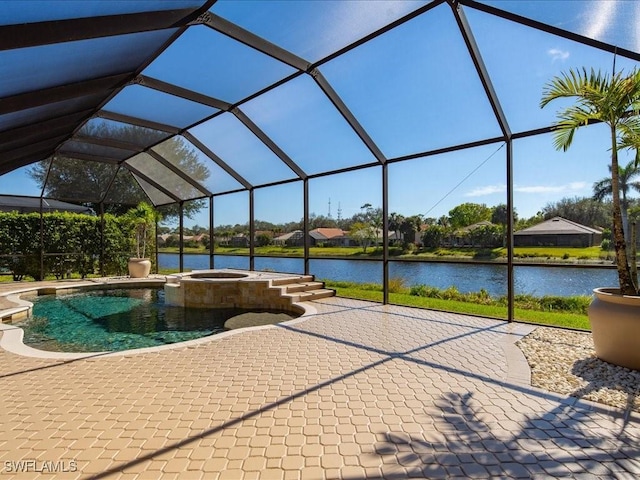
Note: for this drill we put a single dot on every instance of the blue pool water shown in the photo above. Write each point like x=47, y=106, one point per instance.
x=118, y=319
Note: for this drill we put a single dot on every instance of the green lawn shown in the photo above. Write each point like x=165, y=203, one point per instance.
x=541, y=253
x=372, y=292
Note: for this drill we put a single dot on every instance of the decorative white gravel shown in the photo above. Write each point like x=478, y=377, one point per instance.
x=564, y=361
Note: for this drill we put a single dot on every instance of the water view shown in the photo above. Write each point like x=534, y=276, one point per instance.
x=532, y=280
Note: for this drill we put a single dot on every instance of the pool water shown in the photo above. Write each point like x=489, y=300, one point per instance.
x=119, y=319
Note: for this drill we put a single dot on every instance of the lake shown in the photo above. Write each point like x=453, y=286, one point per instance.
x=466, y=277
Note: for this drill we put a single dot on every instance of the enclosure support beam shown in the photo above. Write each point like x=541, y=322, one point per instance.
x=52, y=127
x=41, y=242
x=151, y=182
x=252, y=40
x=483, y=74
x=25, y=35
x=305, y=225
x=108, y=142
x=102, y=240
x=481, y=69
x=211, y=232
x=181, y=227
x=140, y=122
x=385, y=234
x=252, y=231
x=247, y=122
x=204, y=149
x=101, y=85
x=510, y=207
x=177, y=91
x=155, y=243
x=178, y=172
x=347, y=115
x=529, y=22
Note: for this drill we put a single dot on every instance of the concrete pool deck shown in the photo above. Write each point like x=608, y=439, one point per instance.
x=356, y=390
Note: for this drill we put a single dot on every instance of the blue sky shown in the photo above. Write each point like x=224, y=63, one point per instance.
x=413, y=89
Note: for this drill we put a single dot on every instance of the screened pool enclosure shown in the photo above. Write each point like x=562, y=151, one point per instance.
x=290, y=111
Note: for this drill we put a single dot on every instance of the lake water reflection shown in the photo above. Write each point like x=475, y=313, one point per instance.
x=534, y=280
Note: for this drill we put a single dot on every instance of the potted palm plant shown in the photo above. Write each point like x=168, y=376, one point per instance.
x=141, y=220
x=613, y=100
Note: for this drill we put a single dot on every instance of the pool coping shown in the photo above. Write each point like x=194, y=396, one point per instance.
x=11, y=336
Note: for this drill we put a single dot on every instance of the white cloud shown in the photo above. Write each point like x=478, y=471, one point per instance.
x=557, y=54
x=486, y=190
x=569, y=187
x=491, y=189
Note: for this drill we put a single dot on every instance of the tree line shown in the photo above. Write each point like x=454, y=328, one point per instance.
x=367, y=224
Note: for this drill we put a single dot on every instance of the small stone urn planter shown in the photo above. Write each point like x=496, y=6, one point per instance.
x=139, y=267
x=140, y=219
x=615, y=326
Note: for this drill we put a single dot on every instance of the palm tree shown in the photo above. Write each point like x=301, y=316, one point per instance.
x=614, y=101
x=395, y=221
x=603, y=189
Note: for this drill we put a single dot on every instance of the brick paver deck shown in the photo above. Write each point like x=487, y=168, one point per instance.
x=358, y=390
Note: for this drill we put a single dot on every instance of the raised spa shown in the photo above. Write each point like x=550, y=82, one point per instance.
x=242, y=289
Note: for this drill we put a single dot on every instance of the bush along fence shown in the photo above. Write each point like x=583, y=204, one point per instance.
x=62, y=244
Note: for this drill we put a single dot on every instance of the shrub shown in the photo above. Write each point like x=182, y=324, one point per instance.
x=396, y=285
x=72, y=244
x=424, y=291
x=409, y=248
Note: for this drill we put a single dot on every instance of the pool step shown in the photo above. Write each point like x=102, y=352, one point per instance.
x=310, y=295
x=302, y=289
x=276, y=282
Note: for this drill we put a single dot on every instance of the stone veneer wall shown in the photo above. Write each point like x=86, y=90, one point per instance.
x=218, y=293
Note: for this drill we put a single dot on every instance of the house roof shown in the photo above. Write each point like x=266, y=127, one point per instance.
x=558, y=226
x=471, y=228
x=326, y=233
x=10, y=203
x=288, y=235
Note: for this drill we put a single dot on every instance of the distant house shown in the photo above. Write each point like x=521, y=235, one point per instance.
x=334, y=237
x=173, y=239
x=318, y=236
x=464, y=237
x=239, y=240
x=162, y=239
x=290, y=239
x=558, y=232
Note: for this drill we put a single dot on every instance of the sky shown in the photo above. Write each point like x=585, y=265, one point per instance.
x=413, y=89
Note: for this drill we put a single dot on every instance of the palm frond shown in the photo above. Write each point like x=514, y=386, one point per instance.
x=629, y=133
x=569, y=84
x=602, y=189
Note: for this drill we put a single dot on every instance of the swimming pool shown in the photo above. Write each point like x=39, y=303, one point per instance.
x=122, y=319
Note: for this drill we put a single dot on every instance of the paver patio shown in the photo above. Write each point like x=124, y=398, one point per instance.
x=357, y=390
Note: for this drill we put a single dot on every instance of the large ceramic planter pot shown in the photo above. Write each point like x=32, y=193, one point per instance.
x=139, y=267
x=615, y=325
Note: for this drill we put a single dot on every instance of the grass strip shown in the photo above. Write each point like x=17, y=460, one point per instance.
x=373, y=292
